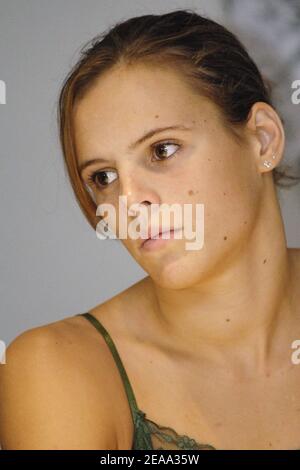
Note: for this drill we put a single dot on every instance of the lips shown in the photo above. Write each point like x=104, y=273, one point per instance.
x=156, y=234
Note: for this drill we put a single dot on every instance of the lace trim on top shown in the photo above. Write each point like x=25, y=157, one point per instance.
x=148, y=432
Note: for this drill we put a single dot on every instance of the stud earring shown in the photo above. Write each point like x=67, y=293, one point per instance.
x=274, y=156
x=267, y=164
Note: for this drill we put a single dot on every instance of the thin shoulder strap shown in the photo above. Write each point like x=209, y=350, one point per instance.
x=130, y=395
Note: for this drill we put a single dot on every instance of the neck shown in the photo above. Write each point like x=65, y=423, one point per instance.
x=237, y=315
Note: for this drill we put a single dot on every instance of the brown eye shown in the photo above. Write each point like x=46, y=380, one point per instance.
x=161, y=150
x=100, y=179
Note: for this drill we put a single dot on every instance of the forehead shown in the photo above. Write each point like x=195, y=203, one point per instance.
x=127, y=101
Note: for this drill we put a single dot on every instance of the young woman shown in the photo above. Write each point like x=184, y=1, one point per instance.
x=199, y=354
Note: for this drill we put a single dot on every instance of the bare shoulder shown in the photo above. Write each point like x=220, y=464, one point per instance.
x=55, y=389
x=60, y=387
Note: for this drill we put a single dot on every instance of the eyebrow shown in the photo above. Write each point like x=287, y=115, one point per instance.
x=133, y=145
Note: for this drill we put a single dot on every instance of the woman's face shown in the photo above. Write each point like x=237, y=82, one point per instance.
x=202, y=164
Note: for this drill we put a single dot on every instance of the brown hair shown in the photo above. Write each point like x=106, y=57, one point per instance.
x=211, y=58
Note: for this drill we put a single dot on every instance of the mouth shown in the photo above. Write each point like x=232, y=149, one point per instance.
x=157, y=240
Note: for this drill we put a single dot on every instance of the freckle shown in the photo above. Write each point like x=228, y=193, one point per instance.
x=209, y=159
x=219, y=423
x=265, y=260
x=157, y=115
x=191, y=192
x=224, y=194
x=245, y=222
x=270, y=444
x=225, y=238
x=227, y=319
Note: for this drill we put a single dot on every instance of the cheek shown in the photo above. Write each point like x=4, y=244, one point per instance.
x=230, y=200
x=230, y=213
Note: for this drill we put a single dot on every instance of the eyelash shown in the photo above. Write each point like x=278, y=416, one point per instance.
x=91, y=178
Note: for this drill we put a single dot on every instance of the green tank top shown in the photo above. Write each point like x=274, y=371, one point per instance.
x=147, y=434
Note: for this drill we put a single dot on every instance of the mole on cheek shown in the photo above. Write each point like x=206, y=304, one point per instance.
x=265, y=260
x=225, y=238
x=218, y=424
x=191, y=192
x=156, y=116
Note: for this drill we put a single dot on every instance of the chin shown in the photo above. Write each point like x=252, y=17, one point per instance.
x=180, y=274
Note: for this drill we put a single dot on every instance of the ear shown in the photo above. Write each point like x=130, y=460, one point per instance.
x=267, y=136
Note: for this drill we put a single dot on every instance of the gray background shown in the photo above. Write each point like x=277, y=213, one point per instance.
x=52, y=263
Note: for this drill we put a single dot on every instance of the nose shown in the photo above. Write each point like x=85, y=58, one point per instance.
x=139, y=191
x=134, y=205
